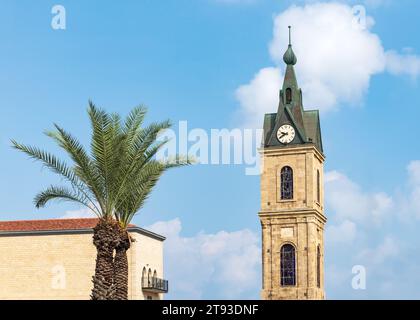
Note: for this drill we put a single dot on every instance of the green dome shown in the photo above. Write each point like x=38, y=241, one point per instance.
x=289, y=56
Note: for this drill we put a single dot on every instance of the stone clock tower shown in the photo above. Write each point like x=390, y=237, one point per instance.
x=292, y=197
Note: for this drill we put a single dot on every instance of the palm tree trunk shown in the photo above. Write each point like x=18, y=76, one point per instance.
x=121, y=266
x=105, y=239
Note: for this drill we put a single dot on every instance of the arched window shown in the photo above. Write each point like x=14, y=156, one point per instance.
x=154, y=278
x=288, y=95
x=287, y=265
x=286, y=183
x=149, y=277
x=144, y=277
x=318, y=187
x=318, y=267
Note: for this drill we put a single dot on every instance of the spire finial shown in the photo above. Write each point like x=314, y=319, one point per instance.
x=289, y=57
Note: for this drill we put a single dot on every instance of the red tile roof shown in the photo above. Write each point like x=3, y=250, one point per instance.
x=62, y=225
x=47, y=225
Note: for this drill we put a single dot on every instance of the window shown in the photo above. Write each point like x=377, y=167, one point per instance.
x=149, y=298
x=318, y=187
x=287, y=265
x=154, y=279
x=318, y=267
x=288, y=95
x=149, y=277
x=286, y=183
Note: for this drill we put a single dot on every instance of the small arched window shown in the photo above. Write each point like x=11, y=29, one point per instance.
x=318, y=267
x=287, y=265
x=149, y=277
x=154, y=279
x=288, y=95
x=286, y=183
x=144, y=277
x=318, y=186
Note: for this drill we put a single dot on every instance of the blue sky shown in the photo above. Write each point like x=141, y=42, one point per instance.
x=215, y=63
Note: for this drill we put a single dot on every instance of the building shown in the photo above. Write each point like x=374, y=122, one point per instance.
x=55, y=259
x=292, y=196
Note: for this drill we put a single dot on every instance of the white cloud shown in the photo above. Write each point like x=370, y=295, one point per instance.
x=337, y=56
x=389, y=248
x=334, y=55
x=348, y=202
x=409, y=199
x=221, y=265
x=388, y=253
x=346, y=199
x=78, y=214
x=336, y=277
x=413, y=169
x=406, y=64
x=342, y=233
x=259, y=96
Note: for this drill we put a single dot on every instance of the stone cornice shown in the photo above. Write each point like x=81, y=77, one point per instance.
x=292, y=149
x=292, y=214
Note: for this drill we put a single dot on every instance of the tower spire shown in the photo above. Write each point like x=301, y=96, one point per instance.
x=289, y=56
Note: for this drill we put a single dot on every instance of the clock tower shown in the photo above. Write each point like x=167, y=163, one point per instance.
x=292, y=196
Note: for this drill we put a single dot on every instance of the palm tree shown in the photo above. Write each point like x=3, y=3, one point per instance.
x=139, y=178
x=113, y=182
x=138, y=174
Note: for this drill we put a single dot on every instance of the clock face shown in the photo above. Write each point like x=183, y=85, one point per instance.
x=286, y=134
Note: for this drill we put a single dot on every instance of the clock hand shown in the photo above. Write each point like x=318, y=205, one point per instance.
x=284, y=134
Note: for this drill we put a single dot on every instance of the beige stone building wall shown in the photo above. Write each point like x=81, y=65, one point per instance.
x=61, y=265
x=299, y=221
x=147, y=255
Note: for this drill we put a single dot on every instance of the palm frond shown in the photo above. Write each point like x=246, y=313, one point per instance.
x=83, y=167
x=62, y=194
x=48, y=160
x=105, y=147
x=137, y=153
x=178, y=161
x=54, y=164
x=137, y=190
x=134, y=120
